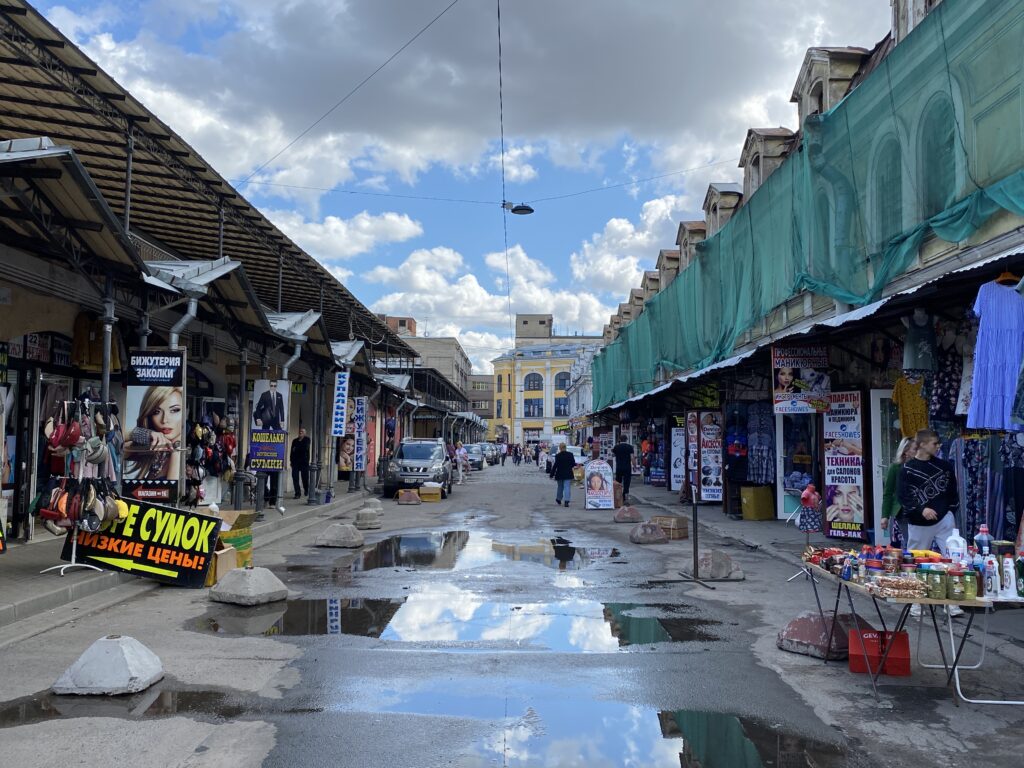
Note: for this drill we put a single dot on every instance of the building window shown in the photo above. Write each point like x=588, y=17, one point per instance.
x=401, y=322
x=480, y=405
x=497, y=405
x=533, y=382
x=888, y=193
x=526, y=322
x=561, y=406
x=510, y=407
x=938, y=161
x=533, y=409
x=481, y=386
x=509, y=382
x=562, y=381
x=541, y=322
x=499, y=385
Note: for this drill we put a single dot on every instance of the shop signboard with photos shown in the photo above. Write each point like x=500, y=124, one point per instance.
x=599, y=484
x=677, y=467
x=709, y=443
x=269, y=428
x=173, y=546
x=154, y=425
x=844, y=467
x=800, y=379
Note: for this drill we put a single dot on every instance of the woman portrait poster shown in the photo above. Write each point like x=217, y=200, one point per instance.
x=598, y=484
x=154, y=435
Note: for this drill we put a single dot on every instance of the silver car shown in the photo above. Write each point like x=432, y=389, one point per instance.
x=417, y=462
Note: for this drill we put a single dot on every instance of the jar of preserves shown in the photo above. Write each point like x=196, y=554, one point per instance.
x=955, y=585
x=891, y=560
x=937, y=585
x=970, y=585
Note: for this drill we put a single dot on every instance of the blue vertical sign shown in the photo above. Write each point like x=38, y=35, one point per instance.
x=340, y=404
x=360, y=405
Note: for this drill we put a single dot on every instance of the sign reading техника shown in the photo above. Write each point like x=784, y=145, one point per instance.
x=162, y=543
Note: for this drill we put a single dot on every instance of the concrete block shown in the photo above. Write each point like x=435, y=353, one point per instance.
x=249, y=586
x=368, y=519
x=339, y=535
x=113, y=665
x=647, y=533
x=807, y=634
x=373, y=503
x=627, y=515
x=716, y=565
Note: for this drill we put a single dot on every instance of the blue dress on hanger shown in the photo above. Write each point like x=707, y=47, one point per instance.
x=997, y=357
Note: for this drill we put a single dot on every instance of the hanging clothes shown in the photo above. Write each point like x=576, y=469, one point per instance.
x=909, y=398
x=948, y=373
x=997, y=357
x=760, y=444
x=963, y=400
x=919, y=345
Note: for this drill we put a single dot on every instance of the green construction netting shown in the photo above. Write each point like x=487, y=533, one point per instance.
x=932, y=141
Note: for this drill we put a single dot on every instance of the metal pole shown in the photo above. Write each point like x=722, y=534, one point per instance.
x=129, y=150
x=280, y=277
x=242, y=434
x=220, y=230
x=108, y=329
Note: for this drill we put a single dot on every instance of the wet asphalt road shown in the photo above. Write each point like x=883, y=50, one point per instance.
x=458, y=636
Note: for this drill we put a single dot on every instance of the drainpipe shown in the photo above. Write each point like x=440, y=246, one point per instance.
x=292, y=359
x=188, y=317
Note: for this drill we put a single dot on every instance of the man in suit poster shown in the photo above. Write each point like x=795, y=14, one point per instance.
x=271, y=397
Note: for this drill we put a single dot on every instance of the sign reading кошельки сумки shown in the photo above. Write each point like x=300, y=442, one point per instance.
x=171, y=545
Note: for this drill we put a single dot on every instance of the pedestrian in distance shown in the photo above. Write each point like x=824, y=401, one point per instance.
x=298, y=457
x=561, y=471
x=623, y=453
x=461, y=459
x=504, y=453
x=894, y=519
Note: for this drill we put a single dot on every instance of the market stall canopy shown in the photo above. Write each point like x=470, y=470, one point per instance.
x=48, y=85
x=397, y=382
x=49, y=205
x=352, y=356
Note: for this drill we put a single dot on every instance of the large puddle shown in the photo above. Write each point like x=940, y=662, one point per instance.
x=461, y=550
x=535, y=723
x=460, y=620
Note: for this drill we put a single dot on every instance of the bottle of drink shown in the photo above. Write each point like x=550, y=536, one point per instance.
x=956, y=547
x=1009, y=589
x=991, y=576
x=976, y=561
x=1020, y=575
x=982, y=540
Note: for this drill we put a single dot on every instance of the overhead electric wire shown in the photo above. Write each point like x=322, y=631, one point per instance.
x=351, y=93
x=504, y=210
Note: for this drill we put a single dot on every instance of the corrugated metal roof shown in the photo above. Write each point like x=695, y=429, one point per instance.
x=48, y=86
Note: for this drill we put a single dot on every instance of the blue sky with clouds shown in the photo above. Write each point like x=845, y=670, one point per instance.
x=398, y=191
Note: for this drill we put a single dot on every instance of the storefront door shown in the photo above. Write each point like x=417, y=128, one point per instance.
x=885, y=439
x=798, y=436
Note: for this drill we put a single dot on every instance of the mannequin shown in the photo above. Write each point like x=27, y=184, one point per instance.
x=919, y=347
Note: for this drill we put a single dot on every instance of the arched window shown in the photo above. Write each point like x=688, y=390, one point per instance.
x=562, y=380
x=888, y=192
x=533, y=382
x=817, y=99
x=755, y=173
x=937, y=161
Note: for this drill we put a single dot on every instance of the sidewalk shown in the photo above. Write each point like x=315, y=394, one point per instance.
x=785, y=541
x=24, y=591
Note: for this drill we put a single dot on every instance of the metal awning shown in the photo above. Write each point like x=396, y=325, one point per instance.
x=49, y=205
x=293, y=325
x=399, y=382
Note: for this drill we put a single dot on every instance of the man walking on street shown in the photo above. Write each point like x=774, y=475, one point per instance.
x=299, y=459
x=623, y=453
x=504, y=453
x=928, y=495
x=561, y=470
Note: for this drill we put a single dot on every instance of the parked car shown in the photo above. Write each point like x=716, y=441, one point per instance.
x=476, y=456
x=491, y=453
x=416, y=462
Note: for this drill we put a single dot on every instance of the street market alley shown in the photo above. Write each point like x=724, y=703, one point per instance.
x=458, y=635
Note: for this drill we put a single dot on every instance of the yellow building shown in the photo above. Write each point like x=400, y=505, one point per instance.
x=530, y=383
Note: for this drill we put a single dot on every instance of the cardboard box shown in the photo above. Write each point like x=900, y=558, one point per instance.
x=235, y=518
x=757, y=502
x=241, y=540
x=674, y=527
x=430, y=494
x=224, y=559
x=897, y=663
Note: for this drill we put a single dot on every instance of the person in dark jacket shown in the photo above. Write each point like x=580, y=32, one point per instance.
x=561, y=470
x=299, y=460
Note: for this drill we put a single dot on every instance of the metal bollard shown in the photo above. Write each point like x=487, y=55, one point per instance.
x=314, y=484
x=261, y=488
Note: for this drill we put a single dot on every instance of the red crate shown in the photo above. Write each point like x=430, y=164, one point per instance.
x=897, y=663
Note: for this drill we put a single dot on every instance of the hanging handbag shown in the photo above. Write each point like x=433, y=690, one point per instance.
x=60, y=426
x=73, y=431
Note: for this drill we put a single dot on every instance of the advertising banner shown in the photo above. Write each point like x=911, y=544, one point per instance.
x=677, y=472
x=170, y=545
x=598, y=481
x=154, y=424
x=800, y=381
x=844, y=467
x=3, y=362
x=269, y=428
x=360, y=405
x=339, y=411
x=711, y=456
